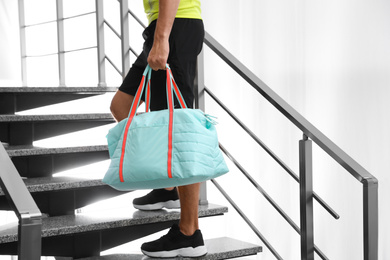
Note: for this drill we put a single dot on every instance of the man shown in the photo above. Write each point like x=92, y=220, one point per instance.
x=175, y=36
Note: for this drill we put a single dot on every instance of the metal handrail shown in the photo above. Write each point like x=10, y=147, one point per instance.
x=269, y=152
x=25, y=208
x=370, y=183
x=361, y=174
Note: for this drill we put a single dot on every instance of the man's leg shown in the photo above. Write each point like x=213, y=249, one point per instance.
x=120, y=105
x=189, y=200
x=184, y=239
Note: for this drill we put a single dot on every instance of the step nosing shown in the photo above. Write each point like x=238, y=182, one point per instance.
x=76, y=90
x=36, y=185
x=16, y=151
x=60, y=117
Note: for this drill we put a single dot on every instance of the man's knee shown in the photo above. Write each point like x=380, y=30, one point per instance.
x=120, y=105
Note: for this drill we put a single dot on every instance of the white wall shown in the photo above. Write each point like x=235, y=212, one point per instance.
x=330, y=60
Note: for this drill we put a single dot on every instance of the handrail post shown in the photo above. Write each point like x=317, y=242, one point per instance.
x=200, y=104
x=22, y=32
x=61, y=42
x=370, y=219
x=125, y=42
x=306, y=198
x=101, y=56
x=29, y=237
x=25, y=208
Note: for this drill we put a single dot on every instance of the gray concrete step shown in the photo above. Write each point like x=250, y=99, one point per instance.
x=217, y=248
x=25, y=129
x=31, y=161
x=57, y=196
x=16, y=99
x=88, y=234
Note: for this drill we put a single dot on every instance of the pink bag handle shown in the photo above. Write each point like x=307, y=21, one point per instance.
x=171, y=88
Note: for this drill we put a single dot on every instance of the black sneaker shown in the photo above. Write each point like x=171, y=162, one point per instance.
x=158, y=199
x=176, y=244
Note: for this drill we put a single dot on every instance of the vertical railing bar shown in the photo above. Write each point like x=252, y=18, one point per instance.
x=246, y=219
x=22, y=32
x=61, y=42
x=199, y=86
x=200, y=104
x=306, y=198
x=370, y=219
x=125, y=42
x=100, y=44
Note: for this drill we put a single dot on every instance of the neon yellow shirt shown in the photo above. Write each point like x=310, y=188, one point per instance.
x=187, y=9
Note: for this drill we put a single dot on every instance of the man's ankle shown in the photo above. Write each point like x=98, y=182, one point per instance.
x=188, y=230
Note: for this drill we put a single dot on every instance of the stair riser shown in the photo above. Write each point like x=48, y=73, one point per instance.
x=46, y=165
x=10, y=103
x=25, y=133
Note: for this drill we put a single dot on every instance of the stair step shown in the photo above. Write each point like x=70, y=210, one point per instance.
x=88, y=234
x=45, y=184
x=31, y=161
x=15, y=99
x=59, y=117
x=217, y=248
x=25, y=129
x=57, y=196
x=29, y=150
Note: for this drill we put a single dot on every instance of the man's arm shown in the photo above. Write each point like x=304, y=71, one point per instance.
x=158, y=55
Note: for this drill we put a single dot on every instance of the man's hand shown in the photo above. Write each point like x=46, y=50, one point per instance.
x=158, y=55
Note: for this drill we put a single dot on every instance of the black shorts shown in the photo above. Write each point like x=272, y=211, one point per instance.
x=185, y=43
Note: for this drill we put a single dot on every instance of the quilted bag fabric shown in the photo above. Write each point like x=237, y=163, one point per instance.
x=166, y=148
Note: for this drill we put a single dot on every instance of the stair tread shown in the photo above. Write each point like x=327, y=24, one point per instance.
x=28, y=150
x=42, y=184
x=70, y=224
x=57, y=89
x=29, y=118
x=217, y=248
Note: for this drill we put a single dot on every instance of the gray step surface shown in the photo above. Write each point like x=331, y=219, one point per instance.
x=111, y=219
x=217, y=248
x=17, y=99
x=57, y=89
x=57, y=117
x=29, y=150
x=45, y=184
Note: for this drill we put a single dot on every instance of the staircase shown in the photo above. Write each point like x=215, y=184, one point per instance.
x=67, y=234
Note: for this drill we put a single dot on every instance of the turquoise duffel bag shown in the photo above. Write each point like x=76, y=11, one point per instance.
x=160, y=149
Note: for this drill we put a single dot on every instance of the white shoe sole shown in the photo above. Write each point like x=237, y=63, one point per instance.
x=183, y=252
x=171, y=204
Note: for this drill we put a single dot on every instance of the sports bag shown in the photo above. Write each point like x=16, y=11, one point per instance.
x=166, y=148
